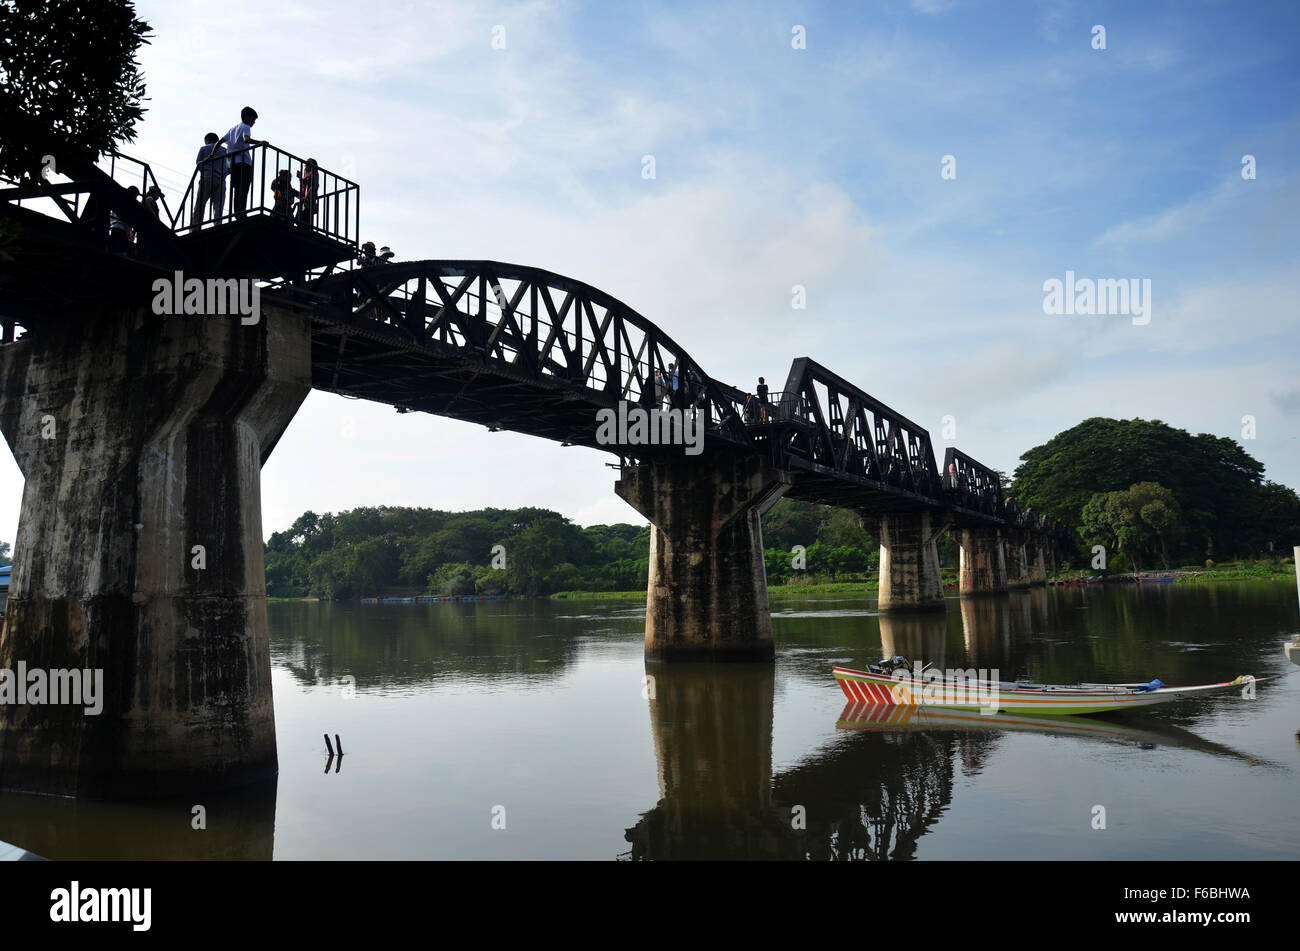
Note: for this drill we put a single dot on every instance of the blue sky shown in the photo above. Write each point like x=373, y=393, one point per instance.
x=778, y=167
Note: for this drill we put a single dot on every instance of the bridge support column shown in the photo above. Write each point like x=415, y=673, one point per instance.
x=1037, y=562
x=983, y=565
x=1017, y=561
x=139, y=548
x=707, y=594
x=909, y=562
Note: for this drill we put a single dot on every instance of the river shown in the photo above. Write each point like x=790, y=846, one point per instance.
x=518, y=730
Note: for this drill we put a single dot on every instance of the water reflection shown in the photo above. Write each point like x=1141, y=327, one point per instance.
x=712, y=729
x=870, y=798
x=917, y=636
x=460, y=706
x=1135, y=729
x=235, y=825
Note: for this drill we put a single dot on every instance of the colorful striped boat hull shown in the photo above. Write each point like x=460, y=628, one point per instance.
x=989, y=697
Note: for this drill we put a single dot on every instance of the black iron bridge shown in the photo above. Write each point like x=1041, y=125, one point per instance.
x=141, y=436
x=507, y=346
x=523, y=349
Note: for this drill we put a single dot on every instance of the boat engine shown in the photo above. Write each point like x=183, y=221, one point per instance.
x=889, y=664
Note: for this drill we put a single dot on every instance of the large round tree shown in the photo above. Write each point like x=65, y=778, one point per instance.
x=70, y=87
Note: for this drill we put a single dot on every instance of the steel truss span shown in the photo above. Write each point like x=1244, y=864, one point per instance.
x=519, y=348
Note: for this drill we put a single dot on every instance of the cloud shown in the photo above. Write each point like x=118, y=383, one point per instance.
x=1288, y=402
x=1173, y=222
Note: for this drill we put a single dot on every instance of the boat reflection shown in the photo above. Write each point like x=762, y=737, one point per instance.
x=1135, y=728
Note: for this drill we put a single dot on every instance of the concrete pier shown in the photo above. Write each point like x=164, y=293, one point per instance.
x=1017, y=555
x=909, y=562
x=707, y=594
x=139, y=547
x=983, y=562
x=1037, y=561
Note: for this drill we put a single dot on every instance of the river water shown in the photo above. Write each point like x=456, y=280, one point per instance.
x=509, y=730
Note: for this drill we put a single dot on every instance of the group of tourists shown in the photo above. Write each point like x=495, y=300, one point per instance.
x=121, y=236
x=676, y=391
x=231, y=156
x=369, y=257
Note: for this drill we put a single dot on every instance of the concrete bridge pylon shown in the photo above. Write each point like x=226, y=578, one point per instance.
x=139, y=553
x=706, y=598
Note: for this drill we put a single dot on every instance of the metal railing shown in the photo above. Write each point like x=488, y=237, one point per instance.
x=779, y=407
x=130, y=172
x=265, y=180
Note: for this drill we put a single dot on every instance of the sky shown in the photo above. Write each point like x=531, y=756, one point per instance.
x=920, y=168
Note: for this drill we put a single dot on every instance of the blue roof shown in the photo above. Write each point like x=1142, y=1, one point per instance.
x=4, y=573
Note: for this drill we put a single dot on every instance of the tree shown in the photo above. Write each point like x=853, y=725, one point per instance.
x=1212, y=478
x=452, y=579
x=1136, y=520
x=4, y=553
x=532, y=555
x=71, y=86
x=1274, y=519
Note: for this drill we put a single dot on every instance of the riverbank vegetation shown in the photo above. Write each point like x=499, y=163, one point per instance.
x=1152, y=496
x=383, y=551
x=1156, y=496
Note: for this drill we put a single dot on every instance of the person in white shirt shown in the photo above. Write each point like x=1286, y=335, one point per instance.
x=239, y=146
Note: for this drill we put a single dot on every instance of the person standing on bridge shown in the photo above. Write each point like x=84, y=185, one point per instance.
x=307, y=189
x=120, y=235
x=282, y=189
x=239, y=145
x=762, y=400
x=151, y=201
x=213, y=168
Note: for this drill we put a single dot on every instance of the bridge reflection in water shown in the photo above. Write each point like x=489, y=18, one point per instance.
x=870, y=783
x=868, y=797
x=887, y=778
x=238, y=825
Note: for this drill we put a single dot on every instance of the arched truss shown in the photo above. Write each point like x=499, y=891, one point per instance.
x=524, y=349
x=505, y=345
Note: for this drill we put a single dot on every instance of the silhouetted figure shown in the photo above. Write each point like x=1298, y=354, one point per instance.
x=762, y=400
x=308, y=189
x=213, y=166
x=239, y=145
x=120, y=235
x=151, y=201
x=367, y=256
x=282, y=190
